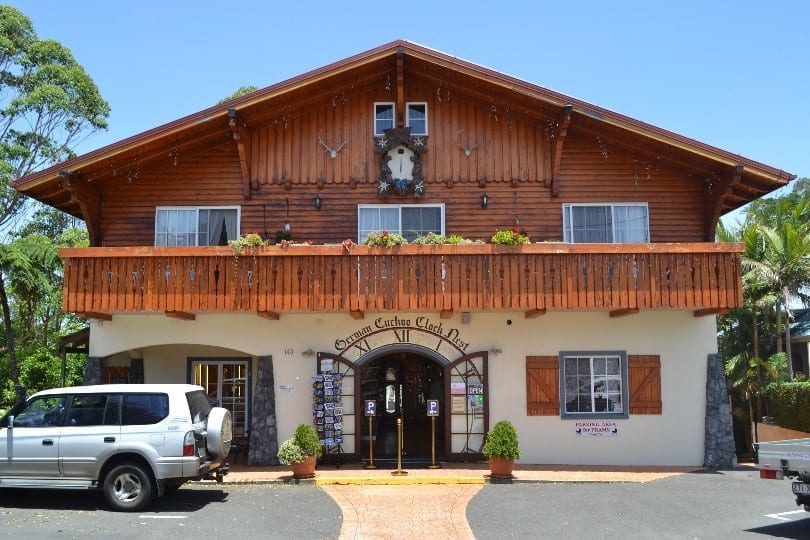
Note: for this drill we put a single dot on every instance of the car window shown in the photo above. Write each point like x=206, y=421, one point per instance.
x=87, y=410
x=199, y=405
x=41, y=411
x=142, y=409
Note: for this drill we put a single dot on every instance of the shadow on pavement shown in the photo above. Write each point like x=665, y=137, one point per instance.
x=798, y=529
x=184, y=500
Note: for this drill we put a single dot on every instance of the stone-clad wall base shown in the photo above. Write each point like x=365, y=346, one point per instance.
x=92, y=371
x=720, y=451
x=263, y=426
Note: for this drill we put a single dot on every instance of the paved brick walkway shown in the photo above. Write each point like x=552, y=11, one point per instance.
x=383, y=512
x=427, y=503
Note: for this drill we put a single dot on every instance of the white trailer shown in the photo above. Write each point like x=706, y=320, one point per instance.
x=787, y=459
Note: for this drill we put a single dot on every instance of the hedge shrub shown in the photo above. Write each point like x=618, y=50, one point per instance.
x=789, y=404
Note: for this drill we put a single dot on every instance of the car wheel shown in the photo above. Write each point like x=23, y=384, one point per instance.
x=219, y=428
x=128, y=488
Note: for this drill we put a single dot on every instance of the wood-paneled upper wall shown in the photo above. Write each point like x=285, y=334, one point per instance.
x=509, y=159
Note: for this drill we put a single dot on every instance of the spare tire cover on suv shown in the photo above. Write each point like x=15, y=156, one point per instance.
x=219, y=430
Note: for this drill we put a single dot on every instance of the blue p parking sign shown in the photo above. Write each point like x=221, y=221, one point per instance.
x=371, y=407
x=433, y=407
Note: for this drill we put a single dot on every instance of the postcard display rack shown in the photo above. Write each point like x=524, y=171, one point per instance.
x=327, y=411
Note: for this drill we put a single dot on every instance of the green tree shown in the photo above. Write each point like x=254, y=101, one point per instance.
x=48, y=103
x=785, y=262
x=241, y=91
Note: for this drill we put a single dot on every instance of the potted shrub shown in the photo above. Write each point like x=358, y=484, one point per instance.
x=301, y=451
x=501, y=447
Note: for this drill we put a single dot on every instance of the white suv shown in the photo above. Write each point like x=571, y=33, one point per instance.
x=134, y=441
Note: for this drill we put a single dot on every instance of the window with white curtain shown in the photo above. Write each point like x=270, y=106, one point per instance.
x=196, y=226
x=606, y=223
x=409, y=220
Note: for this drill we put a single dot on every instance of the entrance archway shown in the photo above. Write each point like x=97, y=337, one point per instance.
x=460, y=385
x=400, y=383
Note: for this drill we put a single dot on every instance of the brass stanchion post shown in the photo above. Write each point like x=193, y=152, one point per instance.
x=433, y=464
x=399, y=470
x=370, y=464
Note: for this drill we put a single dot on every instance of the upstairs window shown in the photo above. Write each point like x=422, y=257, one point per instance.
x=196, y=226
x=417, y=118
x=408, y=220
x=606, y=223
x=383, y=117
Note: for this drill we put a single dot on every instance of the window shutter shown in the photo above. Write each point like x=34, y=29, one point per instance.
x=644, y=374
x=542, y=386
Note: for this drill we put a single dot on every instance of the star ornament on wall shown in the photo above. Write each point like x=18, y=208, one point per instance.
x=383, y=187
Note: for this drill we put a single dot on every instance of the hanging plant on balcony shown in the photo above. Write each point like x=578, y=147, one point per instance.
x=244, y=242
x=385, y=239
x=511, y=237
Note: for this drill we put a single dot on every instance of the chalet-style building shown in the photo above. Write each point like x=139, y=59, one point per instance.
x=597, y=339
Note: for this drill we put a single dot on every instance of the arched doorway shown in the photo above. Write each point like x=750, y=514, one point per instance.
x=460, y=385
x=401, y=383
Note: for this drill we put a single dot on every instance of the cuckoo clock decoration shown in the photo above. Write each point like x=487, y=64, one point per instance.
x=400, y=164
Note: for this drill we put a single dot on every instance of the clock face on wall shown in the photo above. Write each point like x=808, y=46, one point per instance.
x=400, y=161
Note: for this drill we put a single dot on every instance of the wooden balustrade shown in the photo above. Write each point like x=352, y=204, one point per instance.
x=534, y=278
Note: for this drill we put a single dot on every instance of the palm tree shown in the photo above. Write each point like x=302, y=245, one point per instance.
x=785, y=262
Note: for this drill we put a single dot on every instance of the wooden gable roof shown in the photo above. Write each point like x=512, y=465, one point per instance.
x=74, y=185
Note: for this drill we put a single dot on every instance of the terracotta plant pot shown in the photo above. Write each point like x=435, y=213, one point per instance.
x=305, y=469
x=501, y=467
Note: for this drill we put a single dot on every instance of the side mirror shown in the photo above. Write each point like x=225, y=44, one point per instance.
x=11, y=421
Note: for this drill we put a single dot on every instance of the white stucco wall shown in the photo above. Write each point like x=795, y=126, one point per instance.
x=683, y=342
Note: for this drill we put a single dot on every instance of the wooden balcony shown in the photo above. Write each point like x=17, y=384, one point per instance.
x=535, y=278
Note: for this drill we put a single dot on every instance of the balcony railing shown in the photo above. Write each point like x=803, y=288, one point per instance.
x=534, y=278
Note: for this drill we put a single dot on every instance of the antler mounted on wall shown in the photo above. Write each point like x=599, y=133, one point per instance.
x=468, y=150
x=333, y=152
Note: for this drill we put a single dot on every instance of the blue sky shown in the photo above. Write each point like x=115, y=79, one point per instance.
x=734, y=74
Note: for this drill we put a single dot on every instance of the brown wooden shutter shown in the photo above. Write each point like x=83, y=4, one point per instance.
x=644, y=374
x=542, y=385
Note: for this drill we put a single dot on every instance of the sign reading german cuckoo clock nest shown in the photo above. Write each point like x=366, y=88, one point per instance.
x=400, y=164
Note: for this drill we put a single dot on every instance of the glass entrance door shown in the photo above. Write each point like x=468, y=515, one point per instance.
x=400, y=384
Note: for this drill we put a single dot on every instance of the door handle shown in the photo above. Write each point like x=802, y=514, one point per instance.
x=47, y=442
x=109, y=439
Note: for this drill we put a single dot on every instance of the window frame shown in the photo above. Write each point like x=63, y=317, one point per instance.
x=568, y=231
x=408, y=116
x=399, y=207
x=196, y=210
x=623, y=378
x=378, y=133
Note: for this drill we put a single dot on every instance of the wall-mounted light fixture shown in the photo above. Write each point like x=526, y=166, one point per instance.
x=317, y=201
x=484, y=201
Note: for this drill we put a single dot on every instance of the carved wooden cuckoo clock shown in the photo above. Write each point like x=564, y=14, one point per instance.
x=400, y=165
